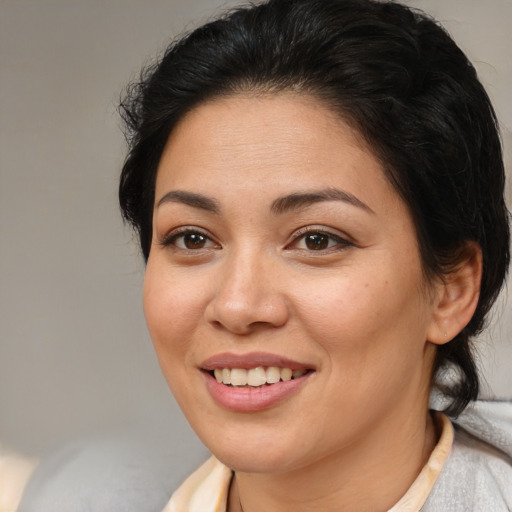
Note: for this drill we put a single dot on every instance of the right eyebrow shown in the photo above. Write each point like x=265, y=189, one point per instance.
x=298, y=200
x=190, y=199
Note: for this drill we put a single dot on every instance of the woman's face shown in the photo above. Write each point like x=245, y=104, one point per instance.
x=279, y=243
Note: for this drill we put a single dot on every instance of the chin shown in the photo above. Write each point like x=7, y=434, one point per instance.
x=263, y=452
x=254, y=461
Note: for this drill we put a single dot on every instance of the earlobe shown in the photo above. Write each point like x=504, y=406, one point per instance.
x=456, y=297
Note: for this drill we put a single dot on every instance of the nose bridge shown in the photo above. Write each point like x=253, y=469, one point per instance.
x=246, y=295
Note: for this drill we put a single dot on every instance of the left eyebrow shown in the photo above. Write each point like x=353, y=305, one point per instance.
x=300, y=200
x=190, y=199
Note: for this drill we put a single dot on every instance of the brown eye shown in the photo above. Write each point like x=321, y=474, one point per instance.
x=316, y=241
x=319, y=241
x=189, y=240
x=194, y=241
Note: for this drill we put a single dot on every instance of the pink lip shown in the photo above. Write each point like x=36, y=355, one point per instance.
x=253, y=399
x=251, y=360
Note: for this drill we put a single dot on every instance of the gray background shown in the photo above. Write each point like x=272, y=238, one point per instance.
x=75, y=358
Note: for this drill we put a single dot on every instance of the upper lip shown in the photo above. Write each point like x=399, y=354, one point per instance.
x=251, y=360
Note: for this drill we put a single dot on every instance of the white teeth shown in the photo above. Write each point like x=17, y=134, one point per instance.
x=286, y=374
x=256, y=377
x=273, y=374
x=238, y=377
x=226, y=376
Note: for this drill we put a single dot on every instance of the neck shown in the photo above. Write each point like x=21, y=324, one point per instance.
x=368, y=476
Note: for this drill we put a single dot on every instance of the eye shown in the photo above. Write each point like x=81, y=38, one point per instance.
x=189, y=240
x=316, y=240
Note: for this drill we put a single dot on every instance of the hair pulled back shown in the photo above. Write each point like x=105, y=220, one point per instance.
x=391, y=72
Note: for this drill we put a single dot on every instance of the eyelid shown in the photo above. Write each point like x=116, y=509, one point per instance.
x=170, y=237
x=342, y=239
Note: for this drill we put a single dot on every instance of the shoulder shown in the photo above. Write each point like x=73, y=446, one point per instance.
x=120, y=472
x=15, y=471
x=206, y=489
x=477, y=476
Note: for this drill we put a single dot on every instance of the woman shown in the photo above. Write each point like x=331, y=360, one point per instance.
x=318, y=190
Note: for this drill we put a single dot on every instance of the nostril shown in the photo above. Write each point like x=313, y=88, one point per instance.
x=217, y=324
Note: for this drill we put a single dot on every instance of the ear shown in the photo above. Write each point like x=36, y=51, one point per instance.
x=456, y=296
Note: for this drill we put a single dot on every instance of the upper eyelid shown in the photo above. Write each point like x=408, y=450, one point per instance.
x=298, y=233
x=188, y=229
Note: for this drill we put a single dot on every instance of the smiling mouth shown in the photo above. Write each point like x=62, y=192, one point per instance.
x=255, y=377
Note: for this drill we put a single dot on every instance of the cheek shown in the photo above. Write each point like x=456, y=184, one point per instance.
x=170, y=317
x=372, y=336
x=342, y=305
x=171, y=310
x=358, y=318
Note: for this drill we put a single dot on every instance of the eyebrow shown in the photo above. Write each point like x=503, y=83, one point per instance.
x=190, y=199
x=300, y=200
x=281, y=205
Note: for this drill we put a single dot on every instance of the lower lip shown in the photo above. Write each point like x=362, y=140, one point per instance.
x=252, y=399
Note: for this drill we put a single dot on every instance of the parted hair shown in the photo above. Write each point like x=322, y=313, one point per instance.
x=391, y=72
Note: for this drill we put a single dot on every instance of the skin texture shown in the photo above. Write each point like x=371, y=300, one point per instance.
x=357, y=311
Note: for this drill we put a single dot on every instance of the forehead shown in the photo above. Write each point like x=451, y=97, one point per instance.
x=281, y=141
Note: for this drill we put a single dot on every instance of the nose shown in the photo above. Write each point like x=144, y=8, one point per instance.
x=247, y=296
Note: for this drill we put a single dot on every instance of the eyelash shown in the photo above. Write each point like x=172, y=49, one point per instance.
x=172, y=238
x=340, y=243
